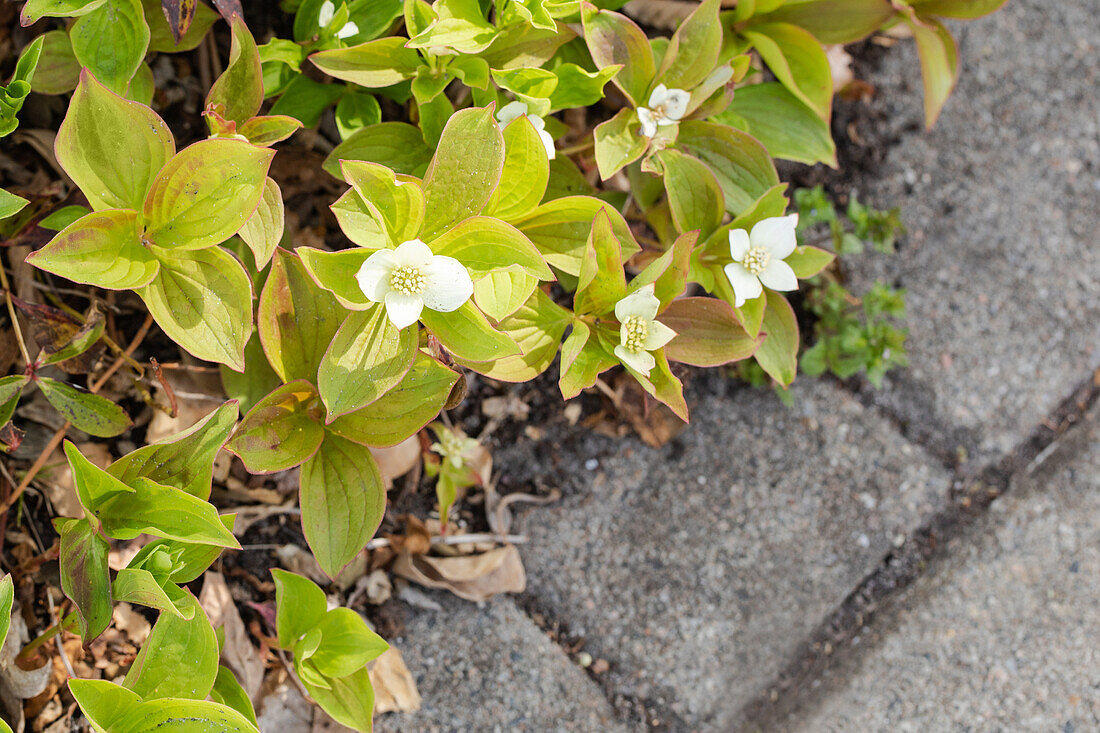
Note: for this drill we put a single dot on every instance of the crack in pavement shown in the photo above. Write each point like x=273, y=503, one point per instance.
x=969, y=498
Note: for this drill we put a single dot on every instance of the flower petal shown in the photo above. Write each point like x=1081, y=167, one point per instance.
x=403, y=310
x=548, y=142
x=511, y=111
x=324, y=15
x=412, y=253
x=776, y=235
x=649, y=123
x=739, y=244
x=374, y=275
x=642, y=303
x=639, y=361
x=676, y=104
x=447, y=284
x=746, y=286
x=349, y=30
x=659, y=95
x=778, y=275
x=659, y=335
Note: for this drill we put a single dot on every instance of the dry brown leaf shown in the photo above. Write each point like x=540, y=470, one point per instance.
x=473, y=577
x=196, y=395
x=297, y=560
x=397, y=460
x=840, y=65
x=23, y=683
x=131, y=623
x=667, y=15
x=394, y=686
x=655, y=423
x=238, y=653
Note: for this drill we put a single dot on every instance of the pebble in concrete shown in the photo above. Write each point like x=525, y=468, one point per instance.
x=696, y=569
x=1003, y=635
x=1001, y=200
x=489, y=668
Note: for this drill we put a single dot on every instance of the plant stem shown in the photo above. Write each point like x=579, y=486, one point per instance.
x=63, y=624
x=14, y=319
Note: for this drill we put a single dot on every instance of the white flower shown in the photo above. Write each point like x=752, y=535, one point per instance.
x=410, y=277
x=512, y=110
x=325, y=15
x=639, y=334
x=666, y=107
x=758, y=258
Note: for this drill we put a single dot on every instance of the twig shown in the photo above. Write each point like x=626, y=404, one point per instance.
x=515, y=539
x=55, y=441
x=14, y=319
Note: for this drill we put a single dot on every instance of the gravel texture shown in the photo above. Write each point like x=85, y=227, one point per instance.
x=696, y=569
x=1001, y=199
x=491, y=669
x=1003, y=635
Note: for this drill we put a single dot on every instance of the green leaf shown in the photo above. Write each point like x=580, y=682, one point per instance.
x=63, y=217
x=297, y=320
x=500, y=294
x=578, y=87
x=11, y=389
x=164, y=511
x=7, y=599
x=537, y=328
x=89, y=412
x=269, y=129
x=184, y=460
x=228, y=691
x=343, y=499
x=58, y=71
x=84, y=338
x=614, y=40
x=161, y=39
x=136, y=585
x=396, y=145
x=85, y=577
x=560, y=229
x=466, y=35
x=356, y=110
x=707, y=333
x=190, y=559
x=179, y=659
x=524, y=45
x=203, y=301
x=466, y=334
x=601, y=282
x=787, y=127
x=582, y=360
x=172, y=715
x=741, y=164
x=798, y=62
x=835, y=21
x=335, y=272
x=282, y=430
x=484, y=244
x=396, y=201
x=619, y=142
x=263, y=231
x=111, y=42
x=403, y=410
x=939, y=64
x=807, y=261
x=362, y=223
x=103, y=702
x=206, y=193
x=465, y=170
x=695, y=199
x=347, y=644
x=94, y=486
x=693, y=50
x=525, y=174
x=368, y=357
x=349, y=700
x=778, y=355
x=306, y=100
x=963, y=9
x=299, y=606
x=114, y=171
x=35, y=9
x=103, y=248
x=373, y=64
x=239, y=91
x=10, y=204
x=532, y=86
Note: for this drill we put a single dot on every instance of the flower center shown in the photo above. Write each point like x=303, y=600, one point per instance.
x=406, y=279
x=635, y=330
x=659, y=112
x=756, y=259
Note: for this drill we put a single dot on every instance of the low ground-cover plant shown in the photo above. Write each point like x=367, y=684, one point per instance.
x=530, y=184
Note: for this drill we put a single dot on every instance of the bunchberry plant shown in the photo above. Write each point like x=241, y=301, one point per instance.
x=523, y=182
